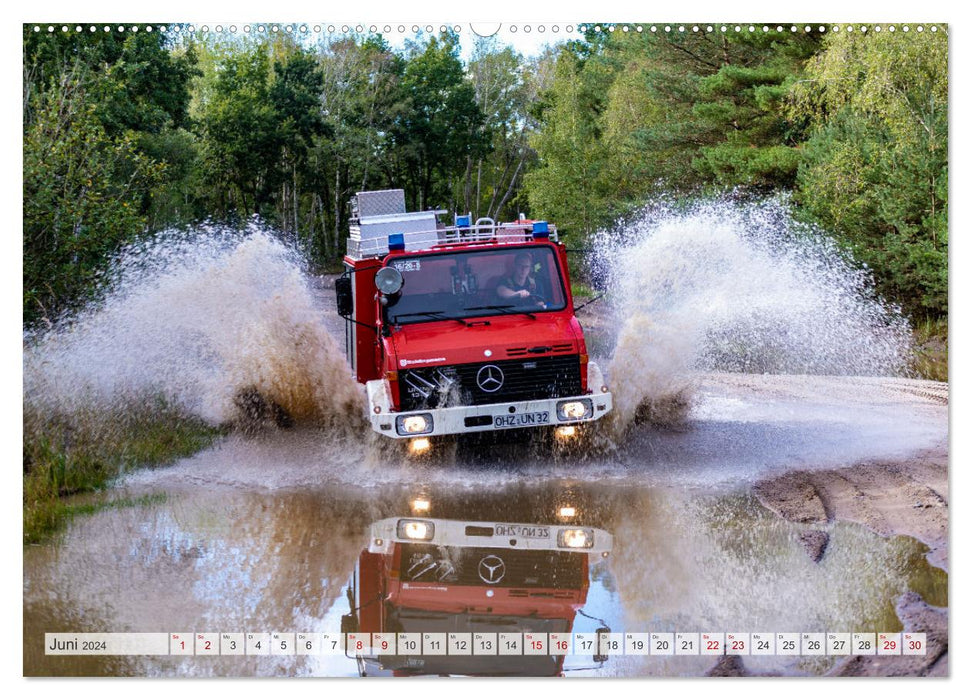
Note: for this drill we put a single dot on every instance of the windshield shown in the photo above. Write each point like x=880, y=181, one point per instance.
x=460, y=285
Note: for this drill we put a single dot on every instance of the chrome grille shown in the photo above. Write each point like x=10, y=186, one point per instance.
x=523, y=379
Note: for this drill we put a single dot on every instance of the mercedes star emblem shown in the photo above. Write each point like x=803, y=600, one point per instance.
x=489, y=378
x=492, y=569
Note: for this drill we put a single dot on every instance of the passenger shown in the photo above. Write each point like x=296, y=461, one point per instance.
x=520, y=287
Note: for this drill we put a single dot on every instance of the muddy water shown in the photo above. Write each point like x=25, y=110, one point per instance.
x=219, y=559
x=262, y=534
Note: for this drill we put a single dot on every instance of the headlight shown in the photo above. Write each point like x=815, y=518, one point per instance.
x=416, y=529
x=417, y=424
x=574, y=410
x=576, y=538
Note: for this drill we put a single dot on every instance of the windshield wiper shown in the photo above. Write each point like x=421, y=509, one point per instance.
x=440, y=315
x=504, y=308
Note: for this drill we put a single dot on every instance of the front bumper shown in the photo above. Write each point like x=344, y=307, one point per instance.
x=500, y=535
x=489, y=417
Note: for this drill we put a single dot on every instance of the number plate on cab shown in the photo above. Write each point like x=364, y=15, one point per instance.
x=528, y=532
x=521, y=420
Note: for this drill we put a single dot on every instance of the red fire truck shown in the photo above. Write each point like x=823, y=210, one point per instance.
x=463, y=328
x=471, y=581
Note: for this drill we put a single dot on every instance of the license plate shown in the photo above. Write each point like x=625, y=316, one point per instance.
x=521, y=420
x=527, y=532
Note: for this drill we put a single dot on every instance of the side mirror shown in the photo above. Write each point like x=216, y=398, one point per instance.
x=345, y=296
x=602, y=656
x=348, y=623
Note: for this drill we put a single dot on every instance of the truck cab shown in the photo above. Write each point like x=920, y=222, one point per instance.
x=463, y=328
x=434, y=596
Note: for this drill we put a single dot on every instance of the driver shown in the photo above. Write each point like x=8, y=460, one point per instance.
x=520, y=287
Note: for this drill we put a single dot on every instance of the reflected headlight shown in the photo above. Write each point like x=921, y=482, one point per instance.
x=419, y=446
x=420, y=505
x=417, y=424
x=576, y=538
x=416, y=529
x=574, y=410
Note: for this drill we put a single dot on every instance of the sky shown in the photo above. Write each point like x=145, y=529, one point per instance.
x=529, y=39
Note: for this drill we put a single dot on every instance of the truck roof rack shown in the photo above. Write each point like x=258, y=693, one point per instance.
x=370, y=236
x=378, y=203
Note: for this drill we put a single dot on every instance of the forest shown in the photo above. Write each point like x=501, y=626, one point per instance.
x=129, y=133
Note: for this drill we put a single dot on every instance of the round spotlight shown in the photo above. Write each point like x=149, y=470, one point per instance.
x=388, y=280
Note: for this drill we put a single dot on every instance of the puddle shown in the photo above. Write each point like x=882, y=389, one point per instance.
x=221, y=560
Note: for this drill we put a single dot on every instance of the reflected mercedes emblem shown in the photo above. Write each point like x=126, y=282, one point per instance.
x=492, y=569
x=489, y=378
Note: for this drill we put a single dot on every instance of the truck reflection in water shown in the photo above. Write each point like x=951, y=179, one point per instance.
x=428, y=575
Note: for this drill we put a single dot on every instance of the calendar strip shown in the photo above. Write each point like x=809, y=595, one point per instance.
x=604, y=644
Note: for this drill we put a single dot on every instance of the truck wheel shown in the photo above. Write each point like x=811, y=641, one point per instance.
x=257, y=411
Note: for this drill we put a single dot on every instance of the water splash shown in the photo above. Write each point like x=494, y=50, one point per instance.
x=197, y=319
x=724, y=286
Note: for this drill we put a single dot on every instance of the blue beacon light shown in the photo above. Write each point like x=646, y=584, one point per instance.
x=396, y=241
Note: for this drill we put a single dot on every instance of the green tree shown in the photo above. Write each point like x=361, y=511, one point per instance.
x=362, y=100
x=145, y=100
x=506, y=89
x=295, y=97
x=632, y=114
x=241, y=142
x=442, y=125
x=82, y=193
x=876, y=164
x=712, y=108
x=150, y=86
x=567, y=185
